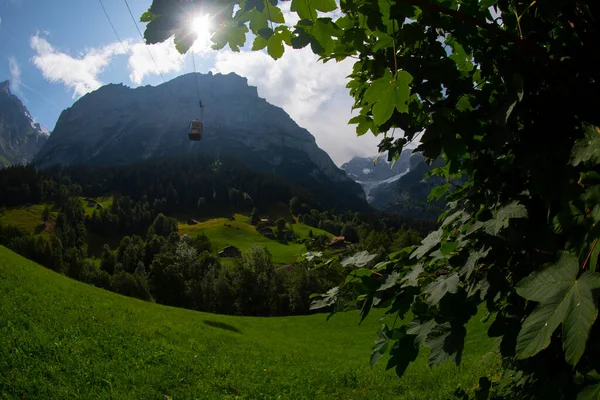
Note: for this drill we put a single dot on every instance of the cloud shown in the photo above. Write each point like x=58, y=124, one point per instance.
x=141, y=61
x=79, y=74
x=0, y=21
x=313, y=93
x=15, y=75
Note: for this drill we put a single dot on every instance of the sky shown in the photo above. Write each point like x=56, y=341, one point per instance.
x=54, y=54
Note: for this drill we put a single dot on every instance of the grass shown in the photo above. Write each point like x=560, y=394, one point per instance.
x=63, y=339
x=105, y=201
x=242, y=235
x=28, y=218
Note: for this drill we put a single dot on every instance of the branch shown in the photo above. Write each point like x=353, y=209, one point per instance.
x=436, y=8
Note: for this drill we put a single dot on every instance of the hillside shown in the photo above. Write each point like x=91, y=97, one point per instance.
x=20, y=136
x=63, y=339
x=239, y=233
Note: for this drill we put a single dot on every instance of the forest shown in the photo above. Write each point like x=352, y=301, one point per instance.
x=153, y=262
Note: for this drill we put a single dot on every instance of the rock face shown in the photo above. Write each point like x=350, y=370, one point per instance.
x=371, y=173
x=401, y=189
x=20, y=136
x=116, y=124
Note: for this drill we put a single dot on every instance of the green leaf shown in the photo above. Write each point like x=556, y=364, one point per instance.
x=430, y=241
x=412, y=278
x=591, y=392
x=259, y=43
x=148, y=16
x=445, y=341
x=390, y=281
x=587, y=149
x=448, y=248
x=402, y=92
x=485, y=4
x=440, y=287
x=420, y=329
x=326, y=299
x=381, y=345
x=359, y=259
x=384, y=107
x=358, y=274
x=437, y=192
x=469, y=266
x=562, y=299
x=275, y=47
x=304, y=9
x=324, y=5
x=403, y=352
x=274, y=14
x=503, y=217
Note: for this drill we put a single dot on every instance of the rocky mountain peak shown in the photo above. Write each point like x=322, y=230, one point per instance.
x=118, y=124
x=20, y=136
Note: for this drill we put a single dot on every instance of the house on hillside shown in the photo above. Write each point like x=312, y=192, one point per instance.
x=338, y=243
x=230, y=252
x=266, y=221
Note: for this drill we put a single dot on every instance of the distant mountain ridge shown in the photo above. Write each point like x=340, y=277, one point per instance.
x=401, y=188
x=20, y=136
x=116, y=124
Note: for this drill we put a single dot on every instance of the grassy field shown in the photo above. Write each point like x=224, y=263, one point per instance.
x=104, y=201
x=242, y=235
x=63, y=339
x=28, y=218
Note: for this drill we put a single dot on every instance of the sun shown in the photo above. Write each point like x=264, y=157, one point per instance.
x=201, y=26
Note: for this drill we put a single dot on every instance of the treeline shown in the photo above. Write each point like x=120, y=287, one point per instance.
x=195, y=182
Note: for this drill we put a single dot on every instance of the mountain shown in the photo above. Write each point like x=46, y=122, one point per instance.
x=117, y=124
x=368, y=169
x=400, y=189
x=20, y=136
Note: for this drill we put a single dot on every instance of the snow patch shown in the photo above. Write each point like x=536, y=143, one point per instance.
x=367, y=171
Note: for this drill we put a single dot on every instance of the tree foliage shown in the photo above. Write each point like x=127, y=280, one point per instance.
x=507, y=93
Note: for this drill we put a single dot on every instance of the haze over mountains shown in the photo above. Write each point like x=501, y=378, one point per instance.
x=20, y=136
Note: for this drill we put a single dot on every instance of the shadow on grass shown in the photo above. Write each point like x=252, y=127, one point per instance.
x=222, y=325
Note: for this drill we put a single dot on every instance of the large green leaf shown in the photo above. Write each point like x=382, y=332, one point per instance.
x=430, y=241
x=588, y=148
x=403, y=352
x=402, y=90
x=469, y=266
x=503, y=217
x=591, y=392
x=440, y=287
x=381, y=345
x=359, y=260
x=563, y=299
x=324, y=5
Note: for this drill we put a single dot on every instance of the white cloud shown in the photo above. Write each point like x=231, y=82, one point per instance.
x=0, y=21
x=15, y=76
x=313, y=93
x=80, y=73
x=165, y=54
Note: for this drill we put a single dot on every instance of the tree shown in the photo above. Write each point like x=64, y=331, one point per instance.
x=506, y=95
x=295, y=206
x=254, y=217
x=46, y=214
x=163, y=226
x=200, y=205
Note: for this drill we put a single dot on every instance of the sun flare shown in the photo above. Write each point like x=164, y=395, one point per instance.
x=201, y=26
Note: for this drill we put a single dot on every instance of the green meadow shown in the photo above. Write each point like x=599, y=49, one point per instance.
x=63, y=339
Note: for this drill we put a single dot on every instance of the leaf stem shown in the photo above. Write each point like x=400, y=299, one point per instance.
x=590, y=254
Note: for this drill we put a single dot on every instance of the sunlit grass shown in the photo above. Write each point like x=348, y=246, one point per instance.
x=63, y=339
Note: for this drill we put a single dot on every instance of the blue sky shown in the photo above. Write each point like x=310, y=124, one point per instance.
x=56, y=51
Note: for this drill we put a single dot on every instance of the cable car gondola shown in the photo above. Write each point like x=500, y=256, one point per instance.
x=195, y=133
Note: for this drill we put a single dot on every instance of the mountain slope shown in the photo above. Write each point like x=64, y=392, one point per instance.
x=20, y=136
x=63, y=339
x=116, y=124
